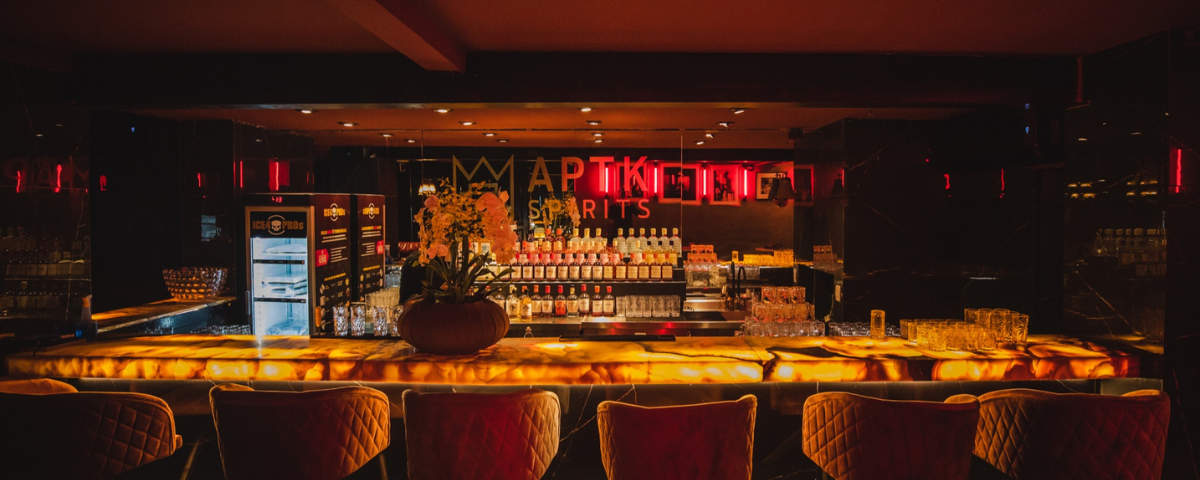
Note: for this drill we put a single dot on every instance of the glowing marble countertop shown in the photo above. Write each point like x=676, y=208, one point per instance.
x=548, y=361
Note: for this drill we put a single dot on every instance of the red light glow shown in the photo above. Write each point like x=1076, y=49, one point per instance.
x=274, y=181
x=199, y=181
x=604, y=180
x=703, y=181
x=18, y=181
x=241, y=176
x=1001, y=183
x=1178, y=169
x=104, y=183
x=654, y=181
x=57, y=178
x=746, y=183
x=947, y=175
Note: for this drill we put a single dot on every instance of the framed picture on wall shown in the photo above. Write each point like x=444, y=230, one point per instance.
x=803, y=184
x=724, y=186
x=762, y=184
x=680, y=184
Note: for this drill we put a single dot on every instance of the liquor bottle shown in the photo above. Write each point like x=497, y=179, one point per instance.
x=585, y=266
x=641, y=239
x=654, y=267
x=558, y=241
x=512, y=304
x=551, y=268
x=564, y=269
x=597, y=303
x=548, y=303
x=572, y=304
x=643, y=268
x=673, y=242
x=586, y=243
x=535, y=303
x=606, y=259
x=632, y=273
x=601, y=242
x=620, y=270
x=585, y=302
x=668, y=270
x=573, y=266
x=526, y=268
x=597, y=267
x=619, y=241
x=652, y=240
x=573, y=244
x=610, y=303
x=560, y=303
x=539, y=268
x=526, y=305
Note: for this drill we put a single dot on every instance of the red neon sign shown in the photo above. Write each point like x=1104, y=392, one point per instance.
x=273, y=182
x=241, y=175
x=947, y=175
x=57, y=178
x=18, y=181
x=199, y=180
x=1178, y=169
x=703, y=181
x=1001, y=183
x=104, y=183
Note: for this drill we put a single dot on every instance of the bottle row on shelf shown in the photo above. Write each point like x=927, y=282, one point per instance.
x=24, y=255
x=607, y=267
x=31, y=296
x=543, y=302
x=558, y=242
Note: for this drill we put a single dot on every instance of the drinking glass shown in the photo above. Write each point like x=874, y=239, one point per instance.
x=341, y=321
x=660, y=305
x=971, y=315
x=983, y=317
x=383, y=325
x=674, y=305
x=878, y=325
x=358, y=319
x=769, y=295
x=622, y=306
x=394, y=320
x=1020, y=329
x=986, y=339
x=1002, y=324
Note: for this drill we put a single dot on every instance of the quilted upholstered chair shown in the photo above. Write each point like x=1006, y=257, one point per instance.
x=317, y=435
x=852, y=437
x=52, y=434
x=1035, y=435
x=35, y=386
x=696, y=442
x=467, y=436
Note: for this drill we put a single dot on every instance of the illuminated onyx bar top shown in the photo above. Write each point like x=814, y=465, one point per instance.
x=549, y=361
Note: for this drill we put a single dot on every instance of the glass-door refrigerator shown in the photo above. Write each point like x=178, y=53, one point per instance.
x=298, y=253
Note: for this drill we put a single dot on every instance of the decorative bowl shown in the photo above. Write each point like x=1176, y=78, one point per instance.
x=190, y=283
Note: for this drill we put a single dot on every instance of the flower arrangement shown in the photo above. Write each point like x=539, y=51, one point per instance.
x=450, y=221
x=560, y=213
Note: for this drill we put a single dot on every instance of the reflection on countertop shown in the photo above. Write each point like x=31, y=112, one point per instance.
x=549, y=361
x=127, y=317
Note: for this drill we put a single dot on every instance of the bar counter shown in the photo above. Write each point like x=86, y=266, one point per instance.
x=549, y=361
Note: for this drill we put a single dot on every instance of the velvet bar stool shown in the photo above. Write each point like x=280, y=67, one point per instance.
x=50, y=432
x=1035, y=435
x=852, y=437
x=475, y=436
x=695, y=442
x=317, y=435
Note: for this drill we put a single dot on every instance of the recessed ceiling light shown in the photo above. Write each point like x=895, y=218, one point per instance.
x=585, y=109
x=737, y=110
x=599, y=140
x=502, y=140
x=466, y=123
x=710, y=135
x=593, y=122
x=443, y=110
x=489, y=134
x=386, y=135
x=347, y=124
x=411, y=140
x=725, y=124
x=1082, y=139
x=597, y=134
x=305, y=111
x=1135, y=133
x=699, y=142
x=38, y=135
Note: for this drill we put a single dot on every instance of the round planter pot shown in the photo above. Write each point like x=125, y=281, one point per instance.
x=453, y=328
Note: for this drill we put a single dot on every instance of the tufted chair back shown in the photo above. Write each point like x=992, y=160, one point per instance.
x=35, y=386
x=852, y=437
x=81, y=436
x=317, y=435
x=1035, y=435
x=462, y=436
x=696, y=442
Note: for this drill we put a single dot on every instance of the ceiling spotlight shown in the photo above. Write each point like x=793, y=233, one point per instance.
x=38, y=135
x=725, y=124
x=386, y=135
x=599, y=140
x=347, y=124
x=585, y=109
x=443, y=110
x=410, y=140
x=710, y=135
x=593, y=122
x=502, y=140
x=737, y=110
x=305, y=111
x=489, y=134
x=699, y=142
x=597, y=134
x=466, y=123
